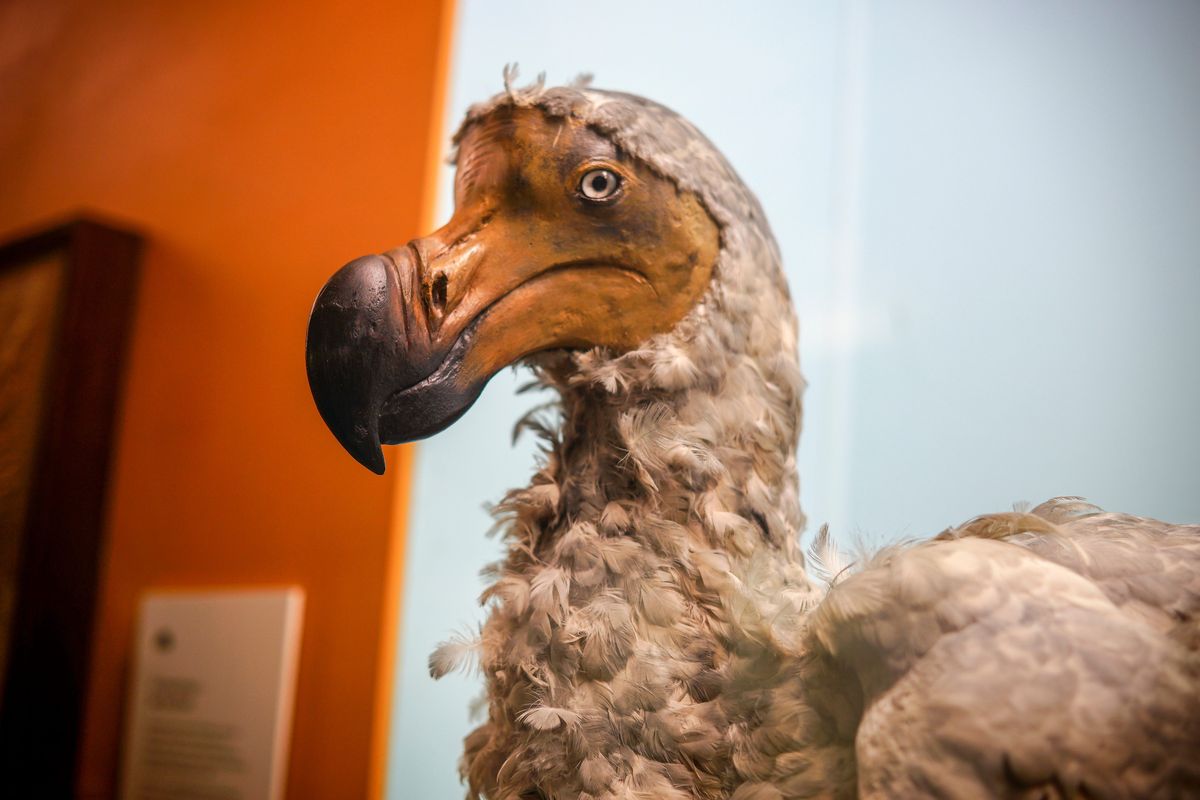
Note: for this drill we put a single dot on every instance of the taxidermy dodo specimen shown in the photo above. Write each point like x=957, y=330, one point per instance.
x=655, y=630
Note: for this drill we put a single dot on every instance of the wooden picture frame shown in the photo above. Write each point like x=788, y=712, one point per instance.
x=66, y=301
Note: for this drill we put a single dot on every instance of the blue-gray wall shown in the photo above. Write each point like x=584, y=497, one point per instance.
x=990, y=216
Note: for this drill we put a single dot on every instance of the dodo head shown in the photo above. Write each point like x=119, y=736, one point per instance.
x=569, y=232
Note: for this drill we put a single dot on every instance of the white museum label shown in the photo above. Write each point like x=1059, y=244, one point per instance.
x=210, y=706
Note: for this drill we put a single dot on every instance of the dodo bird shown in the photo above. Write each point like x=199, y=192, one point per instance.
x=655, y=629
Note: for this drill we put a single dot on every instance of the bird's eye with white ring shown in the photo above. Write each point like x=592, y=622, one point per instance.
x=599, y=184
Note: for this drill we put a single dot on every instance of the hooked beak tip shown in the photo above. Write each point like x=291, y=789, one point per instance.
x=372, y=459
x=367, y=450
x=352, y=357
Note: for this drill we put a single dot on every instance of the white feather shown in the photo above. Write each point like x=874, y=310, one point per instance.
x=459, y=652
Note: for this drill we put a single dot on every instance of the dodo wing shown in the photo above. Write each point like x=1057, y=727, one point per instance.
x=1148, y=568
x=988, y=670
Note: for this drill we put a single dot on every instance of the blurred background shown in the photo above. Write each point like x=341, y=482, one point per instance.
x=989, y=213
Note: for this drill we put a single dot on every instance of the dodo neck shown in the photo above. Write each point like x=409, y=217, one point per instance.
x=663, y=439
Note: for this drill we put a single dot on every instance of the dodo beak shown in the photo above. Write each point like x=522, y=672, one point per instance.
x=401, y=344
x=373, y=363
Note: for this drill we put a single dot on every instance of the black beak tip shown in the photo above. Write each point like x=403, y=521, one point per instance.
x=368, y=454
x=355, y=428
x=350, y=354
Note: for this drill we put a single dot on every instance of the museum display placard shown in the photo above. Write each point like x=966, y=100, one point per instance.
x=210, y=705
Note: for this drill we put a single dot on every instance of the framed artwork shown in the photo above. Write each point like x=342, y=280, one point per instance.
x=66, y=298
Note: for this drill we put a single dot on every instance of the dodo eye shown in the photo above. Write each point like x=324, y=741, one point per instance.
x=599, y=184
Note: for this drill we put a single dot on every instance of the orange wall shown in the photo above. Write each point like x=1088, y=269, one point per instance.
x=258, y=146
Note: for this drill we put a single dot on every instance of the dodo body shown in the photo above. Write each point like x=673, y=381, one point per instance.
x=654, y=628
